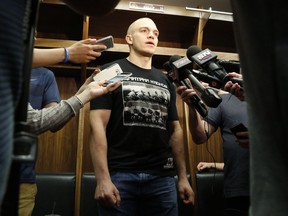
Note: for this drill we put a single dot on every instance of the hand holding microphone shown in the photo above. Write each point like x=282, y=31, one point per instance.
x=186, y=94
x=235, y=88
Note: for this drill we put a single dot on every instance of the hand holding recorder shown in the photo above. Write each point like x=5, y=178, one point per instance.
x=111, y=74
x=240, y=131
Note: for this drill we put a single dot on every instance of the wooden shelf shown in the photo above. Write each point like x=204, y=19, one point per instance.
x=123, y=48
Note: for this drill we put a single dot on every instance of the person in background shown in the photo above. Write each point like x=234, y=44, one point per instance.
x=238, y=91
x=53, y=118
x=43, y=93
x=228, y=114
x=136, y=142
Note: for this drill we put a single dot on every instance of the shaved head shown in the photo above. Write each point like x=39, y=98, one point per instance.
x=138, y=23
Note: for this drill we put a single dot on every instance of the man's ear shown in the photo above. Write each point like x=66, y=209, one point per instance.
x=129, y=39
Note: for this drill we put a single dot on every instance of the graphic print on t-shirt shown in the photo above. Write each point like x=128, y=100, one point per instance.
x=145, y=104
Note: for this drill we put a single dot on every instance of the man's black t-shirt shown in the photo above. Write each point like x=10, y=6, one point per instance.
x=137, y=131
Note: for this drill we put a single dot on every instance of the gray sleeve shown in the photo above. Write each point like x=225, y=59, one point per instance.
x=52, y=118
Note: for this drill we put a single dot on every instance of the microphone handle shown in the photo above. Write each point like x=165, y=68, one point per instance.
x=200, y=107
x=196, y=102
x=213, y=81
x=194, y=81
x=209, y=97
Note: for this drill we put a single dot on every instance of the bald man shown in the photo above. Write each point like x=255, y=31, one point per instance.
x=136, y=142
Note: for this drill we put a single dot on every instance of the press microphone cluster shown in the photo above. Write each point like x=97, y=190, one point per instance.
x=182, y=69
x=196, y=102
x=178, y=70
x=207, y=60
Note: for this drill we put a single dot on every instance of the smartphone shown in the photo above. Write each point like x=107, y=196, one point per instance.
x=238, y=128
x=108, y=73
x=107, y=41
x=117, y=78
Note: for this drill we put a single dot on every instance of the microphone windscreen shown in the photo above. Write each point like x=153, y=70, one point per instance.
x=167, y=66
x=174, y=58
x=192, y=50
x=93, y=8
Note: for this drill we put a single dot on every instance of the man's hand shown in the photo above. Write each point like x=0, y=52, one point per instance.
x=242, y=139
x=186, y=192
x=235, y=88
x=107, y=194
x=84, y=51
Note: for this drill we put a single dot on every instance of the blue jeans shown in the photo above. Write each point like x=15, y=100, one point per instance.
x=143, y=195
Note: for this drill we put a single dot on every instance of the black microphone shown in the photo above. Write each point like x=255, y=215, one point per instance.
x=230, y=65
x=208, y=95
x=211, y=80
x=206, y=60
x=196, y=102
x=170, y=74
x=203, y=76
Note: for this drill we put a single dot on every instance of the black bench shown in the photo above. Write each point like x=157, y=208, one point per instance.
x=209, y=186
x=56, y=194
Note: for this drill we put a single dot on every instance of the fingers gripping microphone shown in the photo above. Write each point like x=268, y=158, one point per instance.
x=196, y=102
x=206, y=60
x=208, y=95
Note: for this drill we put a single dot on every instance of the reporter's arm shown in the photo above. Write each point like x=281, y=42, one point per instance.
x=199, y=128
x=52, y=118
x=209, y=165
x=45, y=57
x=80, y=52
x=55, y=117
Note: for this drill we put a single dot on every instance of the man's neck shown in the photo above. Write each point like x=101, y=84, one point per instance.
x=140, y=61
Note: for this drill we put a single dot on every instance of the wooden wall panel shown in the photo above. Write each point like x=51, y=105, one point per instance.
x=57, y=151
x=87, y=162
x=209, y=151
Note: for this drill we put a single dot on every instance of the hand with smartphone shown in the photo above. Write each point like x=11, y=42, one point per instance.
x=111, y=74
x=118, y=78
x=107, y=41
x=240, y=131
